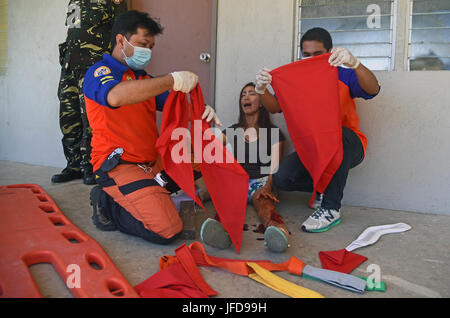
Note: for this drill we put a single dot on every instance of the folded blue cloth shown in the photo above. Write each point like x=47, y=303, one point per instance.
x=345, y=281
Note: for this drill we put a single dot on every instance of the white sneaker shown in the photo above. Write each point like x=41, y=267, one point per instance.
x=321, y=220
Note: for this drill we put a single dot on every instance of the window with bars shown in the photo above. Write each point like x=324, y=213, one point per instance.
x=365, y=27
x=429, y=35
x=3, y=35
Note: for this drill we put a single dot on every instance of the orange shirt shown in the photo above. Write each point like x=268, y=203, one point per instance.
x=349, y=89
x=350, y=118
x=131, y=127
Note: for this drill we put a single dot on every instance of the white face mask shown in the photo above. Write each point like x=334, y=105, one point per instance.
x=306, y=57
x=140, y=59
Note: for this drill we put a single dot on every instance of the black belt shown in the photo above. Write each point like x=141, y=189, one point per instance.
x=123, y=162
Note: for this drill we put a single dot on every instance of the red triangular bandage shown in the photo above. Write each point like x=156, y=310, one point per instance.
x=179, y=280
x=172, y=282
x=240, y=267
x=176, y=115
x=341, y=261
x=308, y=93
x=226, y=180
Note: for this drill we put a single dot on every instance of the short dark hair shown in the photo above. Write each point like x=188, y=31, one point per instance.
x=320, y=35
x=129, y=22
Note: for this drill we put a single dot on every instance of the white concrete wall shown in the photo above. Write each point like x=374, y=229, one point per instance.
x=408, y=125
x=29, y=107
x=251, y=34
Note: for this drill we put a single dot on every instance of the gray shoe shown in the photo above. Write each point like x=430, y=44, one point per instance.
x=213, y=234
x=322, y=220
x=275, y=239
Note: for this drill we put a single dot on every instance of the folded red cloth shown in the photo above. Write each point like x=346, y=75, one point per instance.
x=181, y=279
x=172, y=282
x=341, y=261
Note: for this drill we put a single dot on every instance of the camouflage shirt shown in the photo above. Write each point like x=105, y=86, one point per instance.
x=89, y=25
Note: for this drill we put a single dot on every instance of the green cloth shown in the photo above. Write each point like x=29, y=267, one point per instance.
x=371, y=282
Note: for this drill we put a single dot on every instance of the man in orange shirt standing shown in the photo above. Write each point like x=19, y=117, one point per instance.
x=121, y=102
x=354, y=81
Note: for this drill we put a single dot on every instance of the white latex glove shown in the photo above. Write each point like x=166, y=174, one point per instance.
x=342, y=56
x=184, y=81
x=263, y=78
x=210, y=115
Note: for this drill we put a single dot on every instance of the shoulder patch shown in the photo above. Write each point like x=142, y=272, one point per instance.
x=102, y=71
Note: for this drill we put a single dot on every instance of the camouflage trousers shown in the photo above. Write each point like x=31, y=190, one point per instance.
x=73, y=120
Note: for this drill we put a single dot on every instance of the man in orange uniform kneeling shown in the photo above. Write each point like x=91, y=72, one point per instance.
x=133, y=195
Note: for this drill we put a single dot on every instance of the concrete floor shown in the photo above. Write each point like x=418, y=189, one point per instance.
x=413, y=264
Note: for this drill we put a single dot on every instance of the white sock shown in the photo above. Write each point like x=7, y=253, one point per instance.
x=372, y=234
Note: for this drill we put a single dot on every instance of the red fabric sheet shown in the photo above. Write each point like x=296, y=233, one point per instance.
x=308, y=93
x=179, y=276
x=172, y=282
x=226, y=180
x=179, y=280
x=293, y=265
x=176, y=115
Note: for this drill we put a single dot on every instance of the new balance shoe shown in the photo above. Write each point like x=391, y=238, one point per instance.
x=213, y=234
x=275, y=239
x=322, y=220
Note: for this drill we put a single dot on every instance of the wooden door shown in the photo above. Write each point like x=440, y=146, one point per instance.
x=189, y=33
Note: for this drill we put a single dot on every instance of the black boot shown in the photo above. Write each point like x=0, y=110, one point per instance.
x=88, y=176
x=100, y=220
x=67, y=175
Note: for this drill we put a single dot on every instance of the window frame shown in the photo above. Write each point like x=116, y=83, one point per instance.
x=4, y=51
x=393, y=33
x=410, y=34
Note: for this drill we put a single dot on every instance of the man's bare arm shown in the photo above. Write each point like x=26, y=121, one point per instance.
x=367, y=80
x=270, y=102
